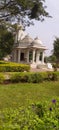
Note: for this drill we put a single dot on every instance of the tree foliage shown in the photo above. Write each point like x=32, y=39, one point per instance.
x=56, y=48
x=11, y=10
x=23, y=11
x=6, y=42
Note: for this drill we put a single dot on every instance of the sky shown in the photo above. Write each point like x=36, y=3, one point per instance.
x=49, y=29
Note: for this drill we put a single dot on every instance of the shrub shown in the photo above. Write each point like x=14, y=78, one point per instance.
x=35, y=78
x=19, y=77
x=52, y=76
x=1, y=78
x=27, y=77
x=57, y=74
x=13, y=67
x=44, y=75
x=15, y=78
x=38, y=116
x=55, y=66
x=39, y=109
x=32, y=77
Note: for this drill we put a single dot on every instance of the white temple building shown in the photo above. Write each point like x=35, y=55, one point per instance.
x=29, y=51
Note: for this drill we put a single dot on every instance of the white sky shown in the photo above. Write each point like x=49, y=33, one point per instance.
x=48, y=29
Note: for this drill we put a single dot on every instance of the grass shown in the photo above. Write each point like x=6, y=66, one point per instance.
x=23, y=94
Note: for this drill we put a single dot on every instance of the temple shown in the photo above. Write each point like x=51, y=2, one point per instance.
x=29, y=51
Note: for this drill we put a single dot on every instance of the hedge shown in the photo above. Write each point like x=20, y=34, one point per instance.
x=13, y=67
x=19, y=73
x=28, y=77
x=32, y=77
x=2, y=78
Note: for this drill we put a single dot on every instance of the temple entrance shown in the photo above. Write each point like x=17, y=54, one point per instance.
x=40, y=58
x=22, y=56
x=30, y=56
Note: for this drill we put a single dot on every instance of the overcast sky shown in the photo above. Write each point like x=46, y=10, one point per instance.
x=48, y=29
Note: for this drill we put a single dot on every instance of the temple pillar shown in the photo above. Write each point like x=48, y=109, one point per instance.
x=18, y=56
x=37, y=56
x=33, y=58
x=27, y=56
x=42, y=57
x=14, y=55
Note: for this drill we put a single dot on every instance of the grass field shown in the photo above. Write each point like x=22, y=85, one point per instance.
x=23, y=94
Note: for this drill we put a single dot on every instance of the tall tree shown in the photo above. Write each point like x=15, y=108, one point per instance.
x=11, y=10
x=56, y=48
x=6, y=42
x=15, y=11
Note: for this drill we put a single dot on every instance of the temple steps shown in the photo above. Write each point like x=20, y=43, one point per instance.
x=40, y=67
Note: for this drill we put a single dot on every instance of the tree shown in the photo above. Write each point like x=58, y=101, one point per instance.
x=11, y=10
x=56, y=49
x=51, y=59
x=6, y=42
x=23, y=11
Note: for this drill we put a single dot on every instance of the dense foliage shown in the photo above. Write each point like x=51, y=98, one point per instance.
x=2, y=78
x=6, y=41
x=20, y=73
x=13, y=67
x=56, y=49
x=38, y=116
x=34, y=77
x=27, y=77
x=54, y=58
x=19, y=9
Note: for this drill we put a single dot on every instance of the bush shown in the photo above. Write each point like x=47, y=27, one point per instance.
x=39, y=109
x=44, y=75
x=52, y=76
x=2, y=78
x=32, y=77
x=57, y=74
x=38, y=116
x=13, y=67
x=55, y=66
x=19, y=77
x=26, y=77
x=15, y=78
x=35, y=78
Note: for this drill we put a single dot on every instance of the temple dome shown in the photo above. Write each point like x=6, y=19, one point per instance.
x=27, y=39
x=25, y=42
x=37, y=41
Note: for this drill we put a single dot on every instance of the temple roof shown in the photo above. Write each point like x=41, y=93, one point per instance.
x=27, y=39
x=37, y=43
x=28, y=42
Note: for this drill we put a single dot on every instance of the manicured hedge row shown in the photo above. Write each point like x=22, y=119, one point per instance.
x=13, y=67
x=34, y=77
x=2, y=78
x=29, y=77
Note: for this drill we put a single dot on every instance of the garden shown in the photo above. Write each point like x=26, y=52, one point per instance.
x=28, y=101
x=29, y=106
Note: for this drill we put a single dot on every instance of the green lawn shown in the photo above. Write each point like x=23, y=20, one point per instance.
x=23, y=94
